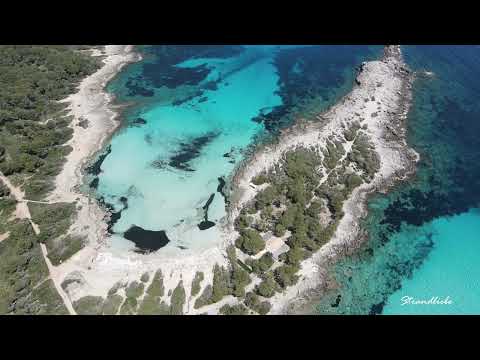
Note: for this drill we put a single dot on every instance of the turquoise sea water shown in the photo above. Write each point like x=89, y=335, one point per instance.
x=163, y=197
x=423, y=236
x=194, y=112
x=450, y=269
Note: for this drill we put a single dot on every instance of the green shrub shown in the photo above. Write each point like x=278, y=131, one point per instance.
x=196, y=283
x=156, y=288
x=112, y=304
x=115, y=288
x=294, y=256
x=237, y=309
x=178, y=299
x=221, y=283
x=240, y=279
x=243, y=221
x=64, y=248
x=259, y=179
x=239, y=276
x=23, y=271
x=262, y=264
x=266, y=197
x=301, y=163
x=4, y=190
x=253, y=302
x=151, y=305
x=267, y=287
x=145, y=277
x=250, y=242
x=129, y=306
x=296, y=191
x=205, y=297
x=286, y=276
x=288, y=217
x=134, y=289
x=314, y=209
x=279, y=230
x=88, y=305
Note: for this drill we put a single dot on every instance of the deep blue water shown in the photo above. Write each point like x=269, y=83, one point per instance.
x=424, y=236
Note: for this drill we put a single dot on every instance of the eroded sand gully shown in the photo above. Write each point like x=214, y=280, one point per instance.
x=97, y=267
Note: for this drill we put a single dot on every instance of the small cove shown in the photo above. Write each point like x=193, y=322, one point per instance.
x=195, y=113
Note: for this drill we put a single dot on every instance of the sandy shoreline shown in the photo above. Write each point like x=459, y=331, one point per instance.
x=92, y=103
x=97, y=267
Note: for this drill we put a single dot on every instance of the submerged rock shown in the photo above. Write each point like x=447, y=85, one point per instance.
x=146, y=240
x=139, y=121
x=191, y=150
x=95, y=168
x=206, y=224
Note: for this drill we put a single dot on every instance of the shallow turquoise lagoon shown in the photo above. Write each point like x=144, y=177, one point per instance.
x=195, y=112
x=451, y=269
x=171, y=199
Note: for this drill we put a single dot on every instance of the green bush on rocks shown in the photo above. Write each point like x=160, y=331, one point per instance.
x=237, y=309
x=262, y=264
x=268, y=286
x=250, y=242
x=286, y=276
x=112, y=304
x=88, y=305
x=134, y=289
x=259, y=179
x=196, y=283
x=145, y=277
x=253, y=302
x=204, y=298
x=156, y=287
x=177, y=300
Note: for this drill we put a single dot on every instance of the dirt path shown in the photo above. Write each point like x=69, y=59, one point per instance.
x=4, y=236
x=55, y=278
x=23, y=212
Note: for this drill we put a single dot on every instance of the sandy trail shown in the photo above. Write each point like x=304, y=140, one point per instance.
x=23, y=212
x=57, y=279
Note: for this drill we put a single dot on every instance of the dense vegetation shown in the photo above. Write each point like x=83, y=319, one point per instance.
x=24, y=284
x=53, y=221
x=33, y=125
x=132, y=298
x=301, y=202
x=33, y=131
